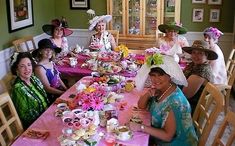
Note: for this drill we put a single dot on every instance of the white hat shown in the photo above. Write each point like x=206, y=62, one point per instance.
x=169, y=65
x=96, y=19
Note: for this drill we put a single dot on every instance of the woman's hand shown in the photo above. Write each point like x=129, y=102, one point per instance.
x=135, y=126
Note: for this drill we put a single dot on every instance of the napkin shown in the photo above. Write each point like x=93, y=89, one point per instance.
x=36, y=134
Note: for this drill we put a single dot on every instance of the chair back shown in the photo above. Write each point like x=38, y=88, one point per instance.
x=8, y=81
x=10, y=125
x=115, y=34
x=135, y=51
x=209, y=106
x=230, y=63
x=228, y=125
x=25, y=44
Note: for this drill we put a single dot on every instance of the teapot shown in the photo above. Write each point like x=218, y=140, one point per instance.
x=73, y=61
x=132, y=67
x=77, y=49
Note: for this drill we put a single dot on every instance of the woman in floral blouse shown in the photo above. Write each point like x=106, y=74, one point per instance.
x=28, y=95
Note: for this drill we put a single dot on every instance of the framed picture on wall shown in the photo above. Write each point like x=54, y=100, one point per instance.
x=79, y=4
x=19, y=14
x=215, y=2
x=198, y=15
x=198, y=1
x=214, y=15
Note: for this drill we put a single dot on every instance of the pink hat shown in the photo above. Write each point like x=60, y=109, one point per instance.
x=212, y=32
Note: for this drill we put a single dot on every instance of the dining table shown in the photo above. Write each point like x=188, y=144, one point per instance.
x=54, y=125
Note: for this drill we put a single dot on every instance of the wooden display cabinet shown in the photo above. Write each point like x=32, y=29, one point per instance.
x=137, y=20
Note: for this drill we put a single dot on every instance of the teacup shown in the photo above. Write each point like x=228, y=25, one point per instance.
x=62, y=106
x=123, y=133
x=76, y=111
x=84, y=122
x=73, y=61
x=130, y=85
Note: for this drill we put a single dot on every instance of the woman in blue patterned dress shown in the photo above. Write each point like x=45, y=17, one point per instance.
x=170, y=111
x=28, y=95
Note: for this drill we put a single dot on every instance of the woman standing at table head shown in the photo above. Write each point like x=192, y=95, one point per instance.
x=46, y=71
x=212, y=35
x=199, y=71
x=169, y=108
x=172, y=43
x=28, y=95
x=58, y=34
x=102, y=40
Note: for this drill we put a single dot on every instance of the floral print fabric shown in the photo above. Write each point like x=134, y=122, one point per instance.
x=176, y=102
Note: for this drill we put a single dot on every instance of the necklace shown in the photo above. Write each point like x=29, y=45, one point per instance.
x=158, y=99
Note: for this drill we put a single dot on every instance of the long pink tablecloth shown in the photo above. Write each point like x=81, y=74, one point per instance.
x=48, y=121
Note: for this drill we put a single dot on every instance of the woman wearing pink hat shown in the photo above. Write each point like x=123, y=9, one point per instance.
x=102, y=40
x=58, y=33
x=211, y=35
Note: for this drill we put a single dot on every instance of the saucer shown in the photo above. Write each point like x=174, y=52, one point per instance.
x=130, y=135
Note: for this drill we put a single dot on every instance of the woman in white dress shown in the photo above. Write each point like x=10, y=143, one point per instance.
x=211, y=35
x=102, y=40
x=172, y=43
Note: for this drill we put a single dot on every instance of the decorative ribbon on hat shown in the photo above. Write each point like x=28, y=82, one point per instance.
x=14, y=57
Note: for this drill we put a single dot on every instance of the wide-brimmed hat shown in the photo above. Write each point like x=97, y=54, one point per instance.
x=172, y=26
x=43, y=44
x=201, y=46
x=48, y=28
x=213, y=32
x=168, y=64
x=96, y=19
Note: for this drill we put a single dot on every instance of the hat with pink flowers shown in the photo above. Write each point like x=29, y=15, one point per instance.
x=212, y=32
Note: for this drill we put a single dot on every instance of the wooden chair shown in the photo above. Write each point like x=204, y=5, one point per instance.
x=115, y=34
x=8, y=81
x=25, y=44
x=139, y=51
x=10, y=125
x=209, y=106
x=226, y=89
x=227, y=124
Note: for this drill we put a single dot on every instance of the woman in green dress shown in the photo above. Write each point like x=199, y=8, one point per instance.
x=28, y=95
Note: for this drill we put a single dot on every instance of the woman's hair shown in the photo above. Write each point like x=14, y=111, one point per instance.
x=40, y=55
x=157, y=70
x=19, y=57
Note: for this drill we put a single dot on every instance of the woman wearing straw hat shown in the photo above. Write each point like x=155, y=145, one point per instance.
x=58, y=34
x=169, y=108
x=46, y=71
x=172, y=42
x=102, y=40
x=199, y=71
x=211, y=35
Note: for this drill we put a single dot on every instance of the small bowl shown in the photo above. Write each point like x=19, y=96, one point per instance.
x=84, y=122
x=77, y=111
x=62, y=106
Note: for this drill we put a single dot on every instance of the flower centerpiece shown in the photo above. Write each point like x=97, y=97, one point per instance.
x=123, y=50
x=94, y=97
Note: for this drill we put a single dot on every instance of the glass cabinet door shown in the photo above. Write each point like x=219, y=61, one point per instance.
x=150, y=17
x=169, y=11
x=117, y=15
x=133, y=19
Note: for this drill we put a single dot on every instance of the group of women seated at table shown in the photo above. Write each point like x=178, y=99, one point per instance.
x=171, y=99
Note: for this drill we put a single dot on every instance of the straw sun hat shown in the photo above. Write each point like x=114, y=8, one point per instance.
x=93, y=22
x=201, y=46
x=48, y=28
x=172, y=26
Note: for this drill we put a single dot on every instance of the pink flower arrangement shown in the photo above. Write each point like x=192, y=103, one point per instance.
x=92, y=98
